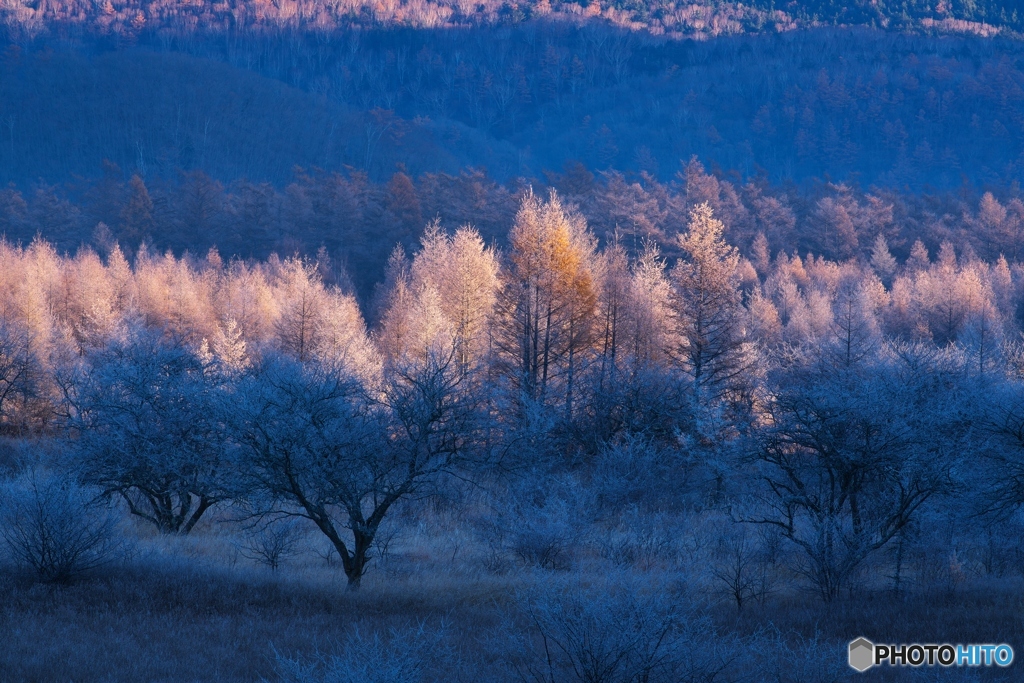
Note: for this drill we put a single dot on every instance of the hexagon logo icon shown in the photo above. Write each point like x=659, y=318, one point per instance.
x=862, y=654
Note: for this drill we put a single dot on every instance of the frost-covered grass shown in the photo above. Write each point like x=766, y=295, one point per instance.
x=197, y=609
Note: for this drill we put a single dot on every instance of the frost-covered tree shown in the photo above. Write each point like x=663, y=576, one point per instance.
x=853, y=335
x=147, y=422
x=20, y=378
x=707, y=308
x=850, y=456
x=463, y=273
x=881, y=260
x=318, y=445
x=649, y=314
x=300, y=299
x=547, y=305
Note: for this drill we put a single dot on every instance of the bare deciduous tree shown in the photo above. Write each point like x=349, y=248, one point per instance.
x=317, y=444
x=148, y=420
x=850, y=458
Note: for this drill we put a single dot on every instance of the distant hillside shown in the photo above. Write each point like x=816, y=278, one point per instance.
x=849, y=104
x=130, y=18
x=281, y=126
x=62, y=113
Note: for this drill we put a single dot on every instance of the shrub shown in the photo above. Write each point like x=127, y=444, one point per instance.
x=403, y=656
x=271, y=543
x=540, y=523
x=795, y=659
x=53, y=527
x=618, y=634
x=636, y=473
x=743, y=568
x=642, y=540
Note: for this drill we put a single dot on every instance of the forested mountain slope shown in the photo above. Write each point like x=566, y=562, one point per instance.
x=261, y=128
x=669, y=17
x=891, y=109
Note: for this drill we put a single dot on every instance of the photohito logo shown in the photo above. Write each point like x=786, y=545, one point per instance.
x=864, y=654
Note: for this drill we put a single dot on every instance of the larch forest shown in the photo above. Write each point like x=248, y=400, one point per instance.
x=533, y=341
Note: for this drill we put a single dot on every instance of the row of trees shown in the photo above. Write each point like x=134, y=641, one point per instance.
x=701, y=18
x=358, y=221
x=835, y=402
x=172, y=434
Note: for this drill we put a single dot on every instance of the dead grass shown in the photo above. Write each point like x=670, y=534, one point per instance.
x=176, y=623
x=979, y=614
x=193, y=609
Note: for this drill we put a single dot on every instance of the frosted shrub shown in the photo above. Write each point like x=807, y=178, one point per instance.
x=402, y=656
x=797, y=659
x=617, y=634
x=538, y=526
x=641, y=540
x=269, y=544
x=51, y=526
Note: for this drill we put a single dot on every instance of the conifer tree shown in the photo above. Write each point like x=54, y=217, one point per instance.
x=706, y=303
x=137, y=213
x=548, y=300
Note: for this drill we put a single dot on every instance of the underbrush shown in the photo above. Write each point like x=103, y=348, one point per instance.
x=434, y=607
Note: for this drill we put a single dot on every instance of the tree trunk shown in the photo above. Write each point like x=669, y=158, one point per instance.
x=354, y=563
